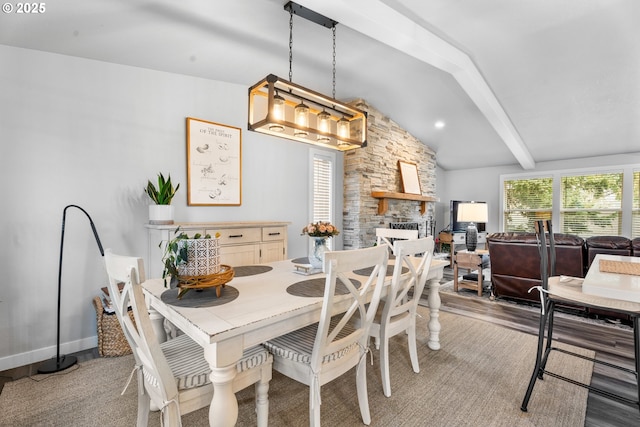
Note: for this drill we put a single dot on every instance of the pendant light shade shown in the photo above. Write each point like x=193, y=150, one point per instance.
x=343, y=128
x=324, y=126
x=277, y=111
x=301, y=113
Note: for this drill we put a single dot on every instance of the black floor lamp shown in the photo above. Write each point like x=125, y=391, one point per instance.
x=60, y=363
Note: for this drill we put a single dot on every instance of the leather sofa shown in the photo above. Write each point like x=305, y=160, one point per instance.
x=515, y=262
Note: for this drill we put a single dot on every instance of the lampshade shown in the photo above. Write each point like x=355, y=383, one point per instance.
x=308, y=117
x=473, y=212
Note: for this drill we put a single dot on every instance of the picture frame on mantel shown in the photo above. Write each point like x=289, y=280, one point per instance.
x=409, y=178
x=214, y=164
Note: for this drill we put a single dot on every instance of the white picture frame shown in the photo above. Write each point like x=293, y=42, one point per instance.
x=409, y=178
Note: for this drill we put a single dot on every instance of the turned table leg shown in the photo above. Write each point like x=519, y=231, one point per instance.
x=434, y=313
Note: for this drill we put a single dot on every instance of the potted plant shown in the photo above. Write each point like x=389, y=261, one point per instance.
x=162, y=211
x=194, y=263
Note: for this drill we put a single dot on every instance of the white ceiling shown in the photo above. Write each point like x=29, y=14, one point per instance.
x=517, y=82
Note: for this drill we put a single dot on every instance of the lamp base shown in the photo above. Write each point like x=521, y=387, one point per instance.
x=57, y=365
x=471, y=238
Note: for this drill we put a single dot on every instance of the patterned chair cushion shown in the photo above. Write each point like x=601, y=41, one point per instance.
x=298, y=345
x=186, y=360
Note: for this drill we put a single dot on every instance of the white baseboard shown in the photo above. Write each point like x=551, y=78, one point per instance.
x=42, y=354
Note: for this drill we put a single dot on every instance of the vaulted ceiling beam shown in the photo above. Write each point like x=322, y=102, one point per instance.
x=375, y=19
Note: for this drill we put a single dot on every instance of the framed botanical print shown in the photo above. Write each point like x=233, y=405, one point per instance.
x=214, y=164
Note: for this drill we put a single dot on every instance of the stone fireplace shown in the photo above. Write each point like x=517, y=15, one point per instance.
x=375, y=168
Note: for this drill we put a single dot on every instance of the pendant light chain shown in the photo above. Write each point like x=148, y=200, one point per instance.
x=290, y=45
x=334, y=61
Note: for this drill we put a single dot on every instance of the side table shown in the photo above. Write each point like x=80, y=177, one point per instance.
x=469, y=261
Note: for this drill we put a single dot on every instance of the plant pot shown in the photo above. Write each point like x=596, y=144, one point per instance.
x=203, y=257
x=161, y=214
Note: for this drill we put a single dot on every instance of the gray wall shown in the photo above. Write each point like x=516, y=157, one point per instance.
x=90, y=133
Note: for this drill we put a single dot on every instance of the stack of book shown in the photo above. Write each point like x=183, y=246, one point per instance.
x=106, y=299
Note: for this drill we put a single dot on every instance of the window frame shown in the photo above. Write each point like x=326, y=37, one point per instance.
x=627, y=190
x=330, y=157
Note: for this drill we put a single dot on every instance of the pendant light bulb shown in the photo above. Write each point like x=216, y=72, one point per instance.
x=301, y=113
x=324, y=125
x=277, y=113
x=343, y=128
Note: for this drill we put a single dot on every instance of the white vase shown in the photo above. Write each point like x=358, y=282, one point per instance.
x=160, y=214
x=316, y=258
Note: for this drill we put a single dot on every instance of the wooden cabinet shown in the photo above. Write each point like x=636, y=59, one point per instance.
x=241, y=243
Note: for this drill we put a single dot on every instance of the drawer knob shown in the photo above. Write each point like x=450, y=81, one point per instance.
x=235, y=235
x=274, y=234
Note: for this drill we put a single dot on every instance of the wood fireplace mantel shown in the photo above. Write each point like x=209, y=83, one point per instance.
x=384, y=196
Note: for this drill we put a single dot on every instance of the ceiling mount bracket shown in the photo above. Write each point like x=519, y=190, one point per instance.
x=309, y=14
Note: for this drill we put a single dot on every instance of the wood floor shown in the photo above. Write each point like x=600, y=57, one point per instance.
x=611, y=344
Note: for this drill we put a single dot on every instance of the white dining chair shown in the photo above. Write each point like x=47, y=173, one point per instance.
x=398, y=313
x=321, y=352
x=386, y=236
x=173, y=376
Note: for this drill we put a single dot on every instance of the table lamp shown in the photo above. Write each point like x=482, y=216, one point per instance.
x=472, y=213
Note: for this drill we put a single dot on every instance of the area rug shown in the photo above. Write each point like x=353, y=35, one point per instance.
x=477, y=378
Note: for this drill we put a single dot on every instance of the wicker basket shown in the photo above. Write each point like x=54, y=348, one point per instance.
x=111, y=339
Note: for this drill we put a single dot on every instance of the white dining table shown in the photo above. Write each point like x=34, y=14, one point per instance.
x=262, y=310
x=612, y=285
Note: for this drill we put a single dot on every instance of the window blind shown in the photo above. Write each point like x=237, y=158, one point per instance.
x=525, y=201
x=591, y=205
x=322, y=189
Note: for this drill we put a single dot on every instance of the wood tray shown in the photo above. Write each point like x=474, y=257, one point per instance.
x=217, y=280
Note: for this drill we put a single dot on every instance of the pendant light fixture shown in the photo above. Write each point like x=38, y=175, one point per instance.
x=282, y=108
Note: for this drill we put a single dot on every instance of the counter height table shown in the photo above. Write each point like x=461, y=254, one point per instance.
x=619, y=278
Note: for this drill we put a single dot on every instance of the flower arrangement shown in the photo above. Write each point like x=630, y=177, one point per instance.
x=321, y=229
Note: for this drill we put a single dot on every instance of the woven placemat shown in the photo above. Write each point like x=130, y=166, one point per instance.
x=251, y=270
x=315, y=288
x=200, y=298
x=367, y=271
x=620, y=267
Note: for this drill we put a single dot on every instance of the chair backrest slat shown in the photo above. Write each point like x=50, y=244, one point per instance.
x=159, y=380
x=406, y=251
x=338, y=265
x=547, y=250
x=387, y=236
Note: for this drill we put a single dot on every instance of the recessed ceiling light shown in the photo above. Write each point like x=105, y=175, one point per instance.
x=439, y=124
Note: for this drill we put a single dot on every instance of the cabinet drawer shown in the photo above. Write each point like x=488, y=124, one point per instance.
x=232, y=236
x=458, y=238
x=273, y=233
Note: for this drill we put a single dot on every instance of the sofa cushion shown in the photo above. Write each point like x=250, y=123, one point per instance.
x=612, y=245
x=608, y=242
x=515, y=262
x=635, y=246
